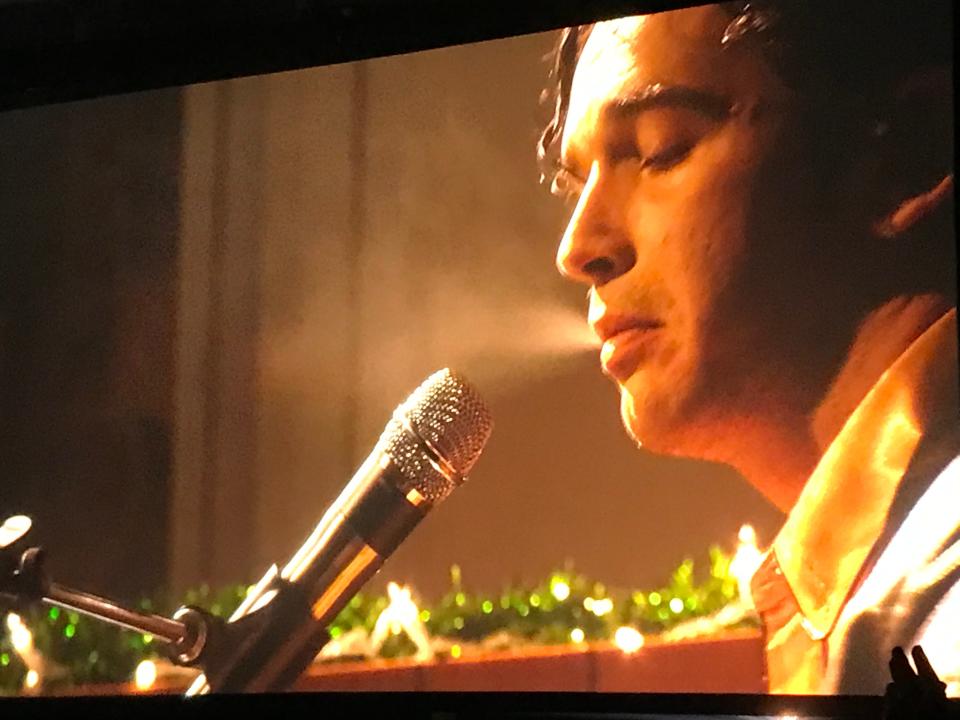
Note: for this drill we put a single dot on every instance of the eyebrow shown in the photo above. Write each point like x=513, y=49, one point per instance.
x=708, y=104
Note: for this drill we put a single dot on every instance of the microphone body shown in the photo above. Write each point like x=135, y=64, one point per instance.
x=433, y=439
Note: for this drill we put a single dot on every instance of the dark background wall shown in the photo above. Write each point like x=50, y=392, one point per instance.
x=88, y=227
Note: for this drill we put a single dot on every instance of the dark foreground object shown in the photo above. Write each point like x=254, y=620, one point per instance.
x=451, y=705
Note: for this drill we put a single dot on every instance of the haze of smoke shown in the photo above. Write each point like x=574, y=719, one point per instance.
x=502, y=351
x=497, y=339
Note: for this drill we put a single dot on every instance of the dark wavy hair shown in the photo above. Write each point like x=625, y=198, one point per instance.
x=831, y=51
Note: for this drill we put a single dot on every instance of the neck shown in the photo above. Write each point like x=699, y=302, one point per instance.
x=884, y=336
x=778, y=465
x=782, y=453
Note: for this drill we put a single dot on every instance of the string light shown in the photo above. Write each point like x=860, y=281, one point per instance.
x=628, y=639
x=145, y=675
x=402, y=615
x=22, y=641
x=745, y=562
x=526, y=607
x=20, y=635
x=602, y=606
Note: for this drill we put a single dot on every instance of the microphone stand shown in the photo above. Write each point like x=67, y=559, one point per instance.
x=194, y=637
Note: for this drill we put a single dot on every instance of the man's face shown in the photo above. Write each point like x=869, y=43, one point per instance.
x=714, y=274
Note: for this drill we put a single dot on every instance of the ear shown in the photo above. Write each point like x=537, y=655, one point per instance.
x=912, y=210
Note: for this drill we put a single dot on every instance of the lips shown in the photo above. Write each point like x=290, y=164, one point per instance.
x=627, y=343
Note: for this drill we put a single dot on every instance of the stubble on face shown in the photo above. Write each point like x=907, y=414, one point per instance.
x=720, y=243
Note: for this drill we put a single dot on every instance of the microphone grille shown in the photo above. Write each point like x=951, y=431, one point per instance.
x=448, y=416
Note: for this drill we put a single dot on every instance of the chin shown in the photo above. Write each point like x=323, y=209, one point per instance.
x=646, y=422
x=666, y=422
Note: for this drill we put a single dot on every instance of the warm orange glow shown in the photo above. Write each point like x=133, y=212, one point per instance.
x=401, y=615
x=402, y=610
x=560, y=590
x=22, y=640
x=363, y=559
x=598, y=607
x=145, y=675
x=745, y=562
x=845, y=507
x=415, y=498
x=898, y=439
x=20, y=635
x=628, y=639
x=831, y=529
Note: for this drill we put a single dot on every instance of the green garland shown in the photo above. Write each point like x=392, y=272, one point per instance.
x=83, y=650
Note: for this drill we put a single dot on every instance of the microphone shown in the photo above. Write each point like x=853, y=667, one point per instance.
x=426, y=450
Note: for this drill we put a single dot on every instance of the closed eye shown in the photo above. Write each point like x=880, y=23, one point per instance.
x=661, y=161
x=566, y=183
x=667, y=159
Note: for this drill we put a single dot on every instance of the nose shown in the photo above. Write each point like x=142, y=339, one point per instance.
x=595, y=249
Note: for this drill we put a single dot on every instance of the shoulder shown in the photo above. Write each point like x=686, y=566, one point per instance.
x=911, y=593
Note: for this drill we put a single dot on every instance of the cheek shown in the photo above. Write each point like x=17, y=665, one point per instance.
x=692, y=225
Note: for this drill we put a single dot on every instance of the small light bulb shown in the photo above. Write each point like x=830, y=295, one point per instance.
x=145, y=675
x=602, y=607
x=560, y=590
x=577, y=635
x=20, y=634
x=22, y=640
x=32, y=679
x=628, y=639
x=748, y=535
